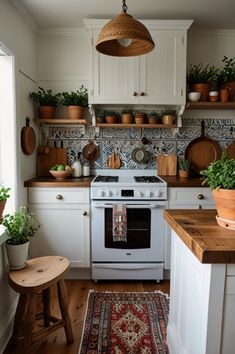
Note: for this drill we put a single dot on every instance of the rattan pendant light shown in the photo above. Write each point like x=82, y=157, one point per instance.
x=124, y=36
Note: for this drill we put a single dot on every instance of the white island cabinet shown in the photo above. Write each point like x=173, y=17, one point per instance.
x=65, y=228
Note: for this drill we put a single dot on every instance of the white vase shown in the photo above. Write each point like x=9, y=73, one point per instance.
x=17, y=255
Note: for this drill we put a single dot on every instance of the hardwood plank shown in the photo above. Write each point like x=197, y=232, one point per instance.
x=77, y=291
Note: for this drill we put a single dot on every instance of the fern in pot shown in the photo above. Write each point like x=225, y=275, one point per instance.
x=220, y=176
x=20, y=227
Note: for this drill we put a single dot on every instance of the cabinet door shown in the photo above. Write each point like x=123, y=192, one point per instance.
x=163, y=71
x=115, y=79
x=64, y=231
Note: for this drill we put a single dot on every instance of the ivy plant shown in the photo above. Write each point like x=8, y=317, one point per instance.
x=220, y=174
x=20, y=226
x=4, y=193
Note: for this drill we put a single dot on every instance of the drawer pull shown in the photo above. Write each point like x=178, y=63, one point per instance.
x=200, y=196
x=59, y=197
x=84, y=213
x=142, y=94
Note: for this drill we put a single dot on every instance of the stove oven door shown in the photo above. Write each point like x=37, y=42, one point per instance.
x=145, y=232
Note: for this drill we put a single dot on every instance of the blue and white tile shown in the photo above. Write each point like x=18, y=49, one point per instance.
x=167, y=147
x=121, y=133
x=157, y=133
x=181, y=147
x=189, y=132
x=228, y=133
x=214, y=131
x=190, y=122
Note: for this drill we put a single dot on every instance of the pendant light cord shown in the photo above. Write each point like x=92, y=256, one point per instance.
x=124, y=6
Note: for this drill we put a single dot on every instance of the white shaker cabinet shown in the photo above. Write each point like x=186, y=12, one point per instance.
x=156, y=78
x=65, y=228
x=185, y=198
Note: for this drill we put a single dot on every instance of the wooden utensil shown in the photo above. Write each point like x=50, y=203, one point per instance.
x=28, y=138
x=166, y=164
x=91, y=152
x=46, y=161
x=114, y=162
x=202, y=151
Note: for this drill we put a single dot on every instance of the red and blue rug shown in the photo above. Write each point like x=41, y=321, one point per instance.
x=125, y=323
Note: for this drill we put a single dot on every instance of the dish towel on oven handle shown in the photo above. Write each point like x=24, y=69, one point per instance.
x=119, y=223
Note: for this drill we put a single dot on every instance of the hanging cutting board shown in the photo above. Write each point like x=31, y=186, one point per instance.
x=202, y=151
x=166, y=164
x=46, y=161
x=114, y=161
x=230, y=149
x=28, y=138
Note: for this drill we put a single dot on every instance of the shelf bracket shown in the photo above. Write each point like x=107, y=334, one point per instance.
x=97, y=132
x=179, y=116
x=92, y=113
x=175, y=131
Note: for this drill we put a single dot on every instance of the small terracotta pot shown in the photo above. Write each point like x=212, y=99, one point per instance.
x=203, y=88
x=111, y=119
x=75, y=112
x=126, y=118
x=183, y=173
x=168, y=119
x=46, y=112
x=153, y=120
x=100, y=119
x=231, y=87
x=224, y=95
x=139, y=118
x=225, y=203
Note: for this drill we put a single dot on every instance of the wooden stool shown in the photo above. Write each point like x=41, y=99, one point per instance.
x=39, y=275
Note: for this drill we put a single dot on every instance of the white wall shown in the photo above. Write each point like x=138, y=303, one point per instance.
x=20, y=40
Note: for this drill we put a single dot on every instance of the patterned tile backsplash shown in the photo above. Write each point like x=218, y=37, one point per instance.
x=122, y=141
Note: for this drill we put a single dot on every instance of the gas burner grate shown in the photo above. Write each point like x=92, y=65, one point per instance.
x=105, y=179
x=147, y=179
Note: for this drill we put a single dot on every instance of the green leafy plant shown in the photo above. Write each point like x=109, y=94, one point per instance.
x=220, y=174
x=168, y=112
x=228, y=72
x=78, y=98
x=138, y=111
x=199, y=73
x=184, y=164
x=45, y=97
x=126, y=111
x=154, y=114
x=4, y=193
x=20, y=226
x=110, y=113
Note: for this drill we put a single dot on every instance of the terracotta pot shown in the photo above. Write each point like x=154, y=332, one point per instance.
x=2, y=206
x=168, y=119
x=111, y=119
x=46, y=112
x=75, y=112
x=153, y=120
x=126, y=118
x=139, y=118
x=183, y=173
x=231, y=87
x=203, y=88
x=225, y=203
x=224, y=95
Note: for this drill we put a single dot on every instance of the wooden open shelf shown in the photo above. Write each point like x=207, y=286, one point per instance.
x=60, y=121
x=210, y=105
x=120, y=125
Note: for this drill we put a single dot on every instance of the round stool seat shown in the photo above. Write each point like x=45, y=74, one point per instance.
x=38, y=274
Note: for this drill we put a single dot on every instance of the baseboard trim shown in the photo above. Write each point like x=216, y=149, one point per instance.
x=6, y=326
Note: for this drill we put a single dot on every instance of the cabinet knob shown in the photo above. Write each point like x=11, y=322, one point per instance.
x=199, y=207
x=142, y=93
x=200, y=196
x=84, y=213
x=59, y=196
x=134, y=93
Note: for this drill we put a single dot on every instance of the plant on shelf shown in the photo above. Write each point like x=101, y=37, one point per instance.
x=139, y=116
x=226, y=77
x=168, y=115
x=220, y=176
x=20, y=227
x=200, y=76
x=111, y=117
x=4, y=195
x=47, y=102
x=126, y=116
x=154, y=117
x=75, y=102
x=184, y=167
x=100, y=118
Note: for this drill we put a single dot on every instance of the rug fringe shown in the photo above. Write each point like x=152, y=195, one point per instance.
x=130, y=292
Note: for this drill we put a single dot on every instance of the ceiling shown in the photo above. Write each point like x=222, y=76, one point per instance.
x=207, y=14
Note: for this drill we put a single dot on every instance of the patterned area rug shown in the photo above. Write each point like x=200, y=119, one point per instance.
x=125, y=323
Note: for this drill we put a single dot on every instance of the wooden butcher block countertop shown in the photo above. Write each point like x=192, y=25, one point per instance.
x=198, y=229
x=176, y=181
x=52, y=182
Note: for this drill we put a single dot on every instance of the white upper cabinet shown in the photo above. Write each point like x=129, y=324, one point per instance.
x=156, y=78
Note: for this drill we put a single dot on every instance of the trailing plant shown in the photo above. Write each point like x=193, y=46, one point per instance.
x=199, y=73
x=228, y=72
x=4, y=193
x=184, y=164
x=45, y=97
x=78, y=98
x=20, y=226
x=220, y=174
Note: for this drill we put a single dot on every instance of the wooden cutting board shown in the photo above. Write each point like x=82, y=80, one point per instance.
x=230, y=149
x=167, y=164
x=114, y=161
x=46, y=161
x=28, y=138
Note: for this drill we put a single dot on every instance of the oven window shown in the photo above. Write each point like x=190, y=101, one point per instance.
x=138, y=229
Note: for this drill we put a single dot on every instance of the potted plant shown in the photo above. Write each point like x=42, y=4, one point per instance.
x=226, y=76
x=139, y=116
x=110, y=117
x=200, y=76
x=20, y=227
x=168, y=116
x=220, y=176
x=100, y=117
x=4, y=195
x=126, y=116
x=184, y=167
x=47, y=102
x=154, y=117
x=75, y=102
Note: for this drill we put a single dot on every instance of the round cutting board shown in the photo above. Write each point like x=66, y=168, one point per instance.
x=28, y=138
x=114, y=161
x=230, y=149
x=91, y=152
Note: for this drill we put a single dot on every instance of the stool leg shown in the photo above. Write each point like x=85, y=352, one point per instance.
x=46, y=296
x=19, y=315
x=62, y=294
x=30, y=317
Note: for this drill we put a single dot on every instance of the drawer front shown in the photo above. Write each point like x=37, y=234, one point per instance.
x=190, y=196
x=58, y=195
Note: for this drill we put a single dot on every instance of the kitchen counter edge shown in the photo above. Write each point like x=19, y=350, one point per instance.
x=176, y=181
x=52, y=182
x=199, y=231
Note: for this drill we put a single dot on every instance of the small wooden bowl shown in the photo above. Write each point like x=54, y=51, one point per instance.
x=61, y=174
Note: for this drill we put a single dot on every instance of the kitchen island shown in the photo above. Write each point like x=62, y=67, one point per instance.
x=202, y=305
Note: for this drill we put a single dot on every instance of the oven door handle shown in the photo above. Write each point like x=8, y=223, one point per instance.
x=129, y=206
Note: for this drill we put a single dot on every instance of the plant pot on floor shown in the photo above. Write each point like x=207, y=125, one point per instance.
x=46, y=112
x=17, y=255
x=75, y=112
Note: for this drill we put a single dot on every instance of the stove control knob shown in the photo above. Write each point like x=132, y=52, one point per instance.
x=148, y=194
x=109, y=193
x=101, y=193
x=157, y=193
x=139, y=194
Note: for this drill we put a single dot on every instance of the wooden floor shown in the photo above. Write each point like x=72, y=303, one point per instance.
x=77, y=293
